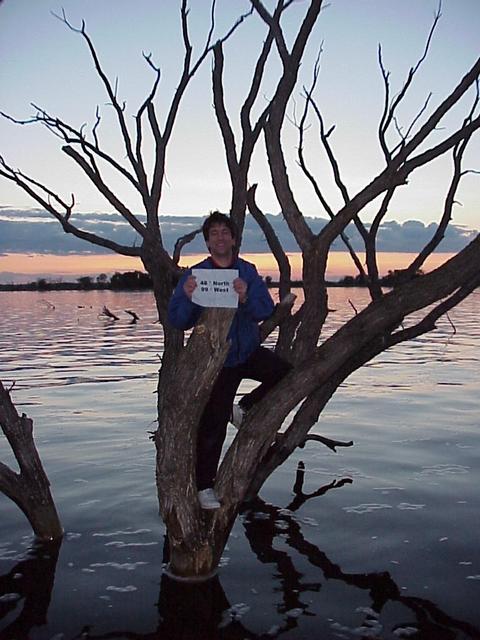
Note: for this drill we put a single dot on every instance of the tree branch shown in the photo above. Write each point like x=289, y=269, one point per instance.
x=221, y=112
x=324, y=135
x=428, y=322
x=189, y=70
x=73, y=136
x=30, y=489
x=328, y=442
x=139, y=136
x=273, y=126
x=439, y=234
x=273, y=242
x=239, y=163
x=9, y=483
x=334, y=164
x=371, y=246
x=94, y=175
x=432, y=122
x=119, y=109
x=68, y=227
x=282, y=311
x=181, y=242
x=397, y=173
x=274, y=27
x=366, y=334
x=389, y=109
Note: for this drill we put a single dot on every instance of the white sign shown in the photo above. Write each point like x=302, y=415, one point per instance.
x=215, y=288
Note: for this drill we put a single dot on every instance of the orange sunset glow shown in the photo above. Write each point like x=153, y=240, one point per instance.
x=29, y=267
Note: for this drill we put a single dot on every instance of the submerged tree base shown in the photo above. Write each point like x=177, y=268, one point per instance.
x=190, y=579
x=29, y=489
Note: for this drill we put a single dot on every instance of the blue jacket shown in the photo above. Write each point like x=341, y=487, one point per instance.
x=244, y=333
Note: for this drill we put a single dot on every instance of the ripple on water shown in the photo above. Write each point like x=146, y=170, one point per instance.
x=388, y=490
x=367, y=508
x=121, y=533
x=120, y=544
x=406, y=506
x=444, y=470
x=121, y=566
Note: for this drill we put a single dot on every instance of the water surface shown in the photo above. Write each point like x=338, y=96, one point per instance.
x=379, y=540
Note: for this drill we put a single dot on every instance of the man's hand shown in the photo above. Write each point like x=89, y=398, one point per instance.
x=189, y=286
x=241, y=288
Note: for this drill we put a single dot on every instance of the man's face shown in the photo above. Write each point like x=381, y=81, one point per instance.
x=220, y=241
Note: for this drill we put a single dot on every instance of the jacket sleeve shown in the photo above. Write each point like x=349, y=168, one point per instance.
x=182, y=312
x=259, y=304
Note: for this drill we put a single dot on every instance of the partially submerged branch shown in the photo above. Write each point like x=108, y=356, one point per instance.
x=30, y=488
x=106, y=313
x=328, y=442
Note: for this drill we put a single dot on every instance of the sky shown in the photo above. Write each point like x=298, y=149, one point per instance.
x=45, y=63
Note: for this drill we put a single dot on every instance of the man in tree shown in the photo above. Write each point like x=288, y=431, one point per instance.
x=245, y=359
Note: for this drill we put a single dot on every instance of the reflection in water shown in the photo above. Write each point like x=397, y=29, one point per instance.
x=31, y=580
x=301, y=497
x=203, y=611
x=197, y=612
x=429, y=622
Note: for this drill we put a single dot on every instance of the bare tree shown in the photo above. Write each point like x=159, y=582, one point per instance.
x=29, y=488
x=189, y=367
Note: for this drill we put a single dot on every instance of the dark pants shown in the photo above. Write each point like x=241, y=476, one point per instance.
x=265, y=367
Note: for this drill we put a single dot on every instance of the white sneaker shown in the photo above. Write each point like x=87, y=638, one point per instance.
x=208, y=499
x=237, y=416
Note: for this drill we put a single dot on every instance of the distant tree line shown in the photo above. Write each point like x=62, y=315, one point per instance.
x=126, y=280
x=140, y=280
x=393, y=279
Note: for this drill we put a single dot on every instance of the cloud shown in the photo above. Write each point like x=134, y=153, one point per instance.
x=34, y=231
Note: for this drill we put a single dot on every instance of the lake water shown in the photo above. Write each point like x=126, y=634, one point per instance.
x=380, y=541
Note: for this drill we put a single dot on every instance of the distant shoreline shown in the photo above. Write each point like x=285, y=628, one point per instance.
x=54, y=286
x=75, y=286
x=94, y=286
x=141, y=281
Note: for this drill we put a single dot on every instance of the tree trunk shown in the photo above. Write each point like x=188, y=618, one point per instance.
x=182, y=396
x=29, y=489
x=199, y=562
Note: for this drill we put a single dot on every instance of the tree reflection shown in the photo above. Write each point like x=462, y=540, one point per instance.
x=30, y=580
x=197, y=612
x=202, y=611
x=264, y=522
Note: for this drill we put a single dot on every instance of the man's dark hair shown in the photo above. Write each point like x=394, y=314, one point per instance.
x=216, y=217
